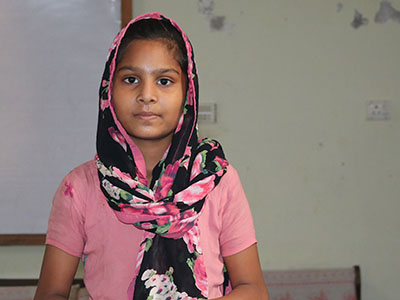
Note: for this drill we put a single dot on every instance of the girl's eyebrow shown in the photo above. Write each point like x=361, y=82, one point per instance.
x=156, y=71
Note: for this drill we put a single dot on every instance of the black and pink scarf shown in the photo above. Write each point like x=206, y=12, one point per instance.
x=170, y=263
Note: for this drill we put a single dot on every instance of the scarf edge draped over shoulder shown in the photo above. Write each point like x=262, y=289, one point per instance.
x=170, y=262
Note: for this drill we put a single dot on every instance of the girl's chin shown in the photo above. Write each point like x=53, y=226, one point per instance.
x=152, y=137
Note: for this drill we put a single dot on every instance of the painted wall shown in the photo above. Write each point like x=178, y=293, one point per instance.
x=291, y=80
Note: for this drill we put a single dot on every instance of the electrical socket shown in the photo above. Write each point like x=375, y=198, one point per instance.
x=207, y=113
x=379, y=110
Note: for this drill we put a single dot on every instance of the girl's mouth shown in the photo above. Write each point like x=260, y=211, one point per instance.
x=146, y=116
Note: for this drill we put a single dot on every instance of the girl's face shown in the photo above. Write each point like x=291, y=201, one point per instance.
x=148, y=91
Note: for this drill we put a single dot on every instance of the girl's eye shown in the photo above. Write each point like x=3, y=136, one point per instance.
x=164, y=81
x=131, y=80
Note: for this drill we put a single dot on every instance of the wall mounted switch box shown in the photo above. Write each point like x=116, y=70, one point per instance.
x=208, y=113
x=379, y=110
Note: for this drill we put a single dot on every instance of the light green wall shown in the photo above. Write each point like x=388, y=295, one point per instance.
x=291, y=80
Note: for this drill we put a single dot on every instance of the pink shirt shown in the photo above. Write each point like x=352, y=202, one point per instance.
x=82, y=224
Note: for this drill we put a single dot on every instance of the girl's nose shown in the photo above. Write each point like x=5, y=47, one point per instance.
x=147, y=93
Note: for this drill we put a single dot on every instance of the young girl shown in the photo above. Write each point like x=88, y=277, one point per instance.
x=158, y=214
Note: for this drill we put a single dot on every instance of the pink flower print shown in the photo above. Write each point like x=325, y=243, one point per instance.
x=163, y=220
x=197, y=168
x=201, y=275
x=142, y=179
x=114, y=44
x=196, y=191
x=158, y=210
x=184, y=223
x=112, y=190
x=220, y=173
x=171, y=208
x=192, y=239
x=161, y=287
x=146, y=225
x=186, y=157
x=222, y=162
x=133, y=211
x=142, y=211
x=104, y=104
x=189, y=242
x=148, y=236
x=165, y=153
x=178, y=128
x=161, y=209
x=166, y=181
x=185, y=163
x=68, y=190
x=148, y=274
x=145, y=191
x=115, y=40
x=187, y=151
x=213, y=147
x=118, y=137
x=125, y=177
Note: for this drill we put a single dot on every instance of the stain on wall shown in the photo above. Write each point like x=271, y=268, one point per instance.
x=216, y=23
x=387, y=12
x=358, y=20
x=206, y=7
x=339, y=7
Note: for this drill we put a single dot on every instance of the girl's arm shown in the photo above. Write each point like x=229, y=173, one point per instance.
x=246, y=276
x=57, y=274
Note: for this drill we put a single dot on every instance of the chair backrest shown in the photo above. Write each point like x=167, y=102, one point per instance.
x=317, y=284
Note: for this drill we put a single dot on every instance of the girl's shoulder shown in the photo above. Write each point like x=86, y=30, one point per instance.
x=230, y=179
x=228, y=191
x=85, y=171
x=83, y=178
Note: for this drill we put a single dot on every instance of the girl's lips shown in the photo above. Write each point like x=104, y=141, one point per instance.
x=146, y=116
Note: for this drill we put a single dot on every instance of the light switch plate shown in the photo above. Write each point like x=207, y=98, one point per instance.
x=379, y=110
x=208, y=113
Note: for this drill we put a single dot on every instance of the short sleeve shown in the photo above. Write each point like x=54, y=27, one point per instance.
x=237, y=231
x=66, y=222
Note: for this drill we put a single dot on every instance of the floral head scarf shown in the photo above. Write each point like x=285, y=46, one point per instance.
x=170, y=264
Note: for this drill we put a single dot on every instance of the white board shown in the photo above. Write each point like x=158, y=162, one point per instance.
x=52, y=55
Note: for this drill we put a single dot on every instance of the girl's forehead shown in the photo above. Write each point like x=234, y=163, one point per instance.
x=145, y=49
x=159, y=44
x=153, y=53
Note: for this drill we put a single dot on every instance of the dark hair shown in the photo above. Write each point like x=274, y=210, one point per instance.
x=153, y=29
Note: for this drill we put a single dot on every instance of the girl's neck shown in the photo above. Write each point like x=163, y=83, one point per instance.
x=152, y=152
